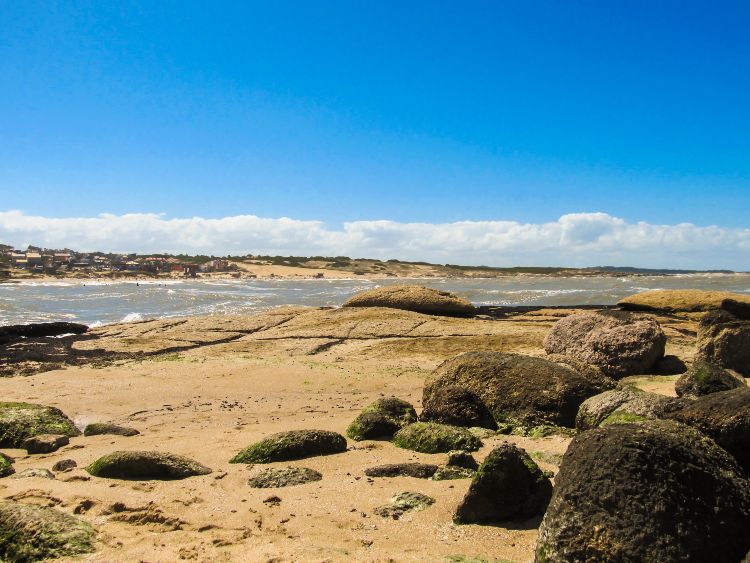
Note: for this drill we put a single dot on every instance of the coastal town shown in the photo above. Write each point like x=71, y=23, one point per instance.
x=55, y=262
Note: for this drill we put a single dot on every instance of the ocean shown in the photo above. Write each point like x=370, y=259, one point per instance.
x=101, y=302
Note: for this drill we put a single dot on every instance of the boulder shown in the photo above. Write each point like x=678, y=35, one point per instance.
x=617, y=342
x=403, y=503
x=45, y=443
x=457, y=406
x=679, y=300
x=655, y=491
x=381, y=419
x=140, y=465
x=432, y=438
x=669, y=365
x=508, y=486
x=738, y=308
x=97, y=428
x=704, y=378
x=291, y=445
x=523, y=389
x=36, y=533
x=417, y=470
x=724, y=340
x=6, y=465
x=725, y=417
x=413, y=298
x=628, y=404
x=284, y=477
x=19, y=421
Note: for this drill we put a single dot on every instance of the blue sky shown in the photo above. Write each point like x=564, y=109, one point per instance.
x=428, y=112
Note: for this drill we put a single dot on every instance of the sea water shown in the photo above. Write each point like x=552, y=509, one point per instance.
x=101, y=302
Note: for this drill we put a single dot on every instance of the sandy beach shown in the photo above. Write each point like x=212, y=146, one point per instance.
x=206, y=387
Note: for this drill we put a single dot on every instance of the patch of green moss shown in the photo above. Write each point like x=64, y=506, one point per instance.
x=381, y=419
x=430, y=437
x=450, y=473
x=35, y=533
x=288, y=446
x=6, y=467
x=19, y=421
x=621, y=417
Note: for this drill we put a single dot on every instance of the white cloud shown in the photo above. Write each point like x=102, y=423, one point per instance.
x=579, y=239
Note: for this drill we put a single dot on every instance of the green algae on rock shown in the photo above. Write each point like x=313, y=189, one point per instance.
x=36, y=533
x=432, y=438
x=381, y=419
x=19, y=421
x=6, y=465
x=146, y=465
x=704, y=378
x=291, y=445
x=451, y=472
x=416, y=470
x=283, y=477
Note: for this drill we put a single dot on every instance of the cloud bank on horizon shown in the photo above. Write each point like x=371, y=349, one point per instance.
x=578, y=239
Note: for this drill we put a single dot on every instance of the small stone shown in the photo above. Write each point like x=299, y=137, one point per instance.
x=45, y=443
x=417, y=470
x=286, y=477
x=64, y=465
x=402, y=503
x=98, y=428
x=34, y=472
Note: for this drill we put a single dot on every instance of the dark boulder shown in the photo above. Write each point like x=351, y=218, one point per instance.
x=140, y=465
x=38, y=330
x=291, y=445
x=457, y=406
x=461, y=458
x=617, y=342
x=704, y=378
x=64, y=465
x=508, y=486
x=655, y=491
x=19, y=421
x=523, y=389
x=724, y=340
x=381, y=419
x=725, y=417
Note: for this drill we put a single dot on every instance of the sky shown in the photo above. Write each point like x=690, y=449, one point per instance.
x=574, y=133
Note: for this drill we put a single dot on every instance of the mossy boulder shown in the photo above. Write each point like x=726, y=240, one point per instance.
x=146, y=465
x=417, y=470
x=283, y=477
x=381, y=419
x=19, y=421
x=432, y=438
x=99, y=428
x=37, y=533
x=723, y=416
x=508, y=486
x=6, y=465
x=724, y=340
x=704, y=378
x=617, y=342
x=457, y=406
x=654, y=491
x=627, y=404
x=414, y=298
x=291, y=445
x=526, y=390
x=402, y=503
